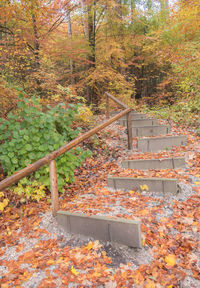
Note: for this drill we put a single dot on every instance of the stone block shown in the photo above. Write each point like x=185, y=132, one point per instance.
x=164, y=185
x=150, y=131
x=146, y=164
x=140, y=122
x=135, y=116
x=161, y=143
x=120, y=230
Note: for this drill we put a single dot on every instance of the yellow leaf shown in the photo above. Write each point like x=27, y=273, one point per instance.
x=1, y=206
x=143, y=242
x=170, y=286
x=8, y=231
x=89, y=246
x=170, y=260
x=73, y=270
x=197, y=183
x=5, y=202
x=1, y=194
x=150, y=284
x=50, y=262
x=144, y=187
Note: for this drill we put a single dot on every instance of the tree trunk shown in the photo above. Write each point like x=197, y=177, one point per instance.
x=36, y=51
x=92, y=97
x=36, y=44
x=132, y=10
x=71, y=62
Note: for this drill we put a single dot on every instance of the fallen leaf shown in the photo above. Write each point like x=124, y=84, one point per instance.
x=170, y=260
x=150, y=284
x=4, y=285
x=144, y=187
x=73, y=270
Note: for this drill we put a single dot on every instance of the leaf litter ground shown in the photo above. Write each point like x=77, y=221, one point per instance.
x=35, y=252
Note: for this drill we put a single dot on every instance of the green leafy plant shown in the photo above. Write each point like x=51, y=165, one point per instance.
x=32, y=134
x=28, y=189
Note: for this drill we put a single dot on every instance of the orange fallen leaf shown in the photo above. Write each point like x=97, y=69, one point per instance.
x=50, y=262
x=4, y=285
x=170, y=260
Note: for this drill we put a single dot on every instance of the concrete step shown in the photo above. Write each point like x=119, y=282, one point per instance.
x=146, y=164
x=150, y=131
x=120, y=230
x=135, y=116
x=161, y=143
x=164, y=185
x=140, y=122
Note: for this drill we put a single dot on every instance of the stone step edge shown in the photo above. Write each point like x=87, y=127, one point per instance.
x=127, y=163
x=151, y=127
x=172, y=183
x=161, y=137
x=135, y=120
x=153, y=144
x=120, y=230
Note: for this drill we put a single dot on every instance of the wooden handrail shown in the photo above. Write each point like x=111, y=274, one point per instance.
x=116, y=101
x=129, y=117
x=49, y=159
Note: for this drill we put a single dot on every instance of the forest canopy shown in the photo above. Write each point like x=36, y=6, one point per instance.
x=147, y=50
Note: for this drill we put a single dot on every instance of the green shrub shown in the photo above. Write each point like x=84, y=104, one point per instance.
x=32, y=134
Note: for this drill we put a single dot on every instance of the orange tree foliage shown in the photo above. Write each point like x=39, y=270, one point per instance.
x=132, y=48
x=8, y=98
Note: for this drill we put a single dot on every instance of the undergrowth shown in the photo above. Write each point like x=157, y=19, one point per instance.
x=31, y=134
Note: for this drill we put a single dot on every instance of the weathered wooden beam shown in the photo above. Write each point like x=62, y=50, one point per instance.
x=129, y=131
x=117, y=101
x=54, y=187
x=107, y=107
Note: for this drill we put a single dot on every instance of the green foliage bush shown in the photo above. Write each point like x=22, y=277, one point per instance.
x=32, y=134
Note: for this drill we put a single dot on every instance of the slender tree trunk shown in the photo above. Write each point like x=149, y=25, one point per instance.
x=132, y=10
x=85, y=28
x=91, y=34
x=36, y=52
x=92, y=45
x=71, y=62
x=36, y=44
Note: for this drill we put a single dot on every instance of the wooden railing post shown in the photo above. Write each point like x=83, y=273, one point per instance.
x=129, y=130
x=54, y=187
x=107, y=107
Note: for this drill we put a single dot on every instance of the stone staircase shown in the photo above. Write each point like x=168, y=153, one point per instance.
x=144, y=127
x=151, y=137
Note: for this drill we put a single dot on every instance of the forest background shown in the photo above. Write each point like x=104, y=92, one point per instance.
x=144, y=51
